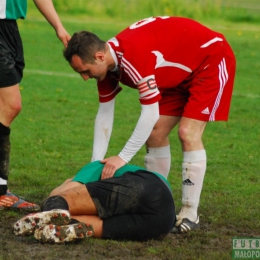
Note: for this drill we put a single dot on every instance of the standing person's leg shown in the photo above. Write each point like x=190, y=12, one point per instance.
x=194, y=160
x=210, y=97
x=193, y=168
x=211, y=93
x=11, y=71
x=158, y=156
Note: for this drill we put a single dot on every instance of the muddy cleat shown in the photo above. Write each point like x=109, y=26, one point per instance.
x=28, y=224
x=13, y=202
x=61, y=234
x=186, y=225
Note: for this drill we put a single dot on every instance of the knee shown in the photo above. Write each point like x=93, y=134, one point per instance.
x=54, y=202
x=185, y=134
x=152, y=139
x=157, y=139
x=16, y=108
x=11, y=110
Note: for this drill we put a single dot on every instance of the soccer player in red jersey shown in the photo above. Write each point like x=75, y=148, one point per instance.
x=184, y=73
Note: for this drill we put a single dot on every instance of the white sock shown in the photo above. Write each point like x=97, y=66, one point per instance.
x=159, y=160
x=3, y=182
x=193, y=172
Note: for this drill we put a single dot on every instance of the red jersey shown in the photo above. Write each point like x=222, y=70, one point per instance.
x=157, y=53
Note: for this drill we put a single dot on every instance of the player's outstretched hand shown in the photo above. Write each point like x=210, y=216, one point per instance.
x=63, y=35
x=111, y=165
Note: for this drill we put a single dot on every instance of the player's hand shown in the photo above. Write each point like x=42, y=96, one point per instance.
x=111, y=165
x=63, y=36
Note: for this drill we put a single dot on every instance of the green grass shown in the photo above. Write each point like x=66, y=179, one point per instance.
x=52, y=138
x=239, y=10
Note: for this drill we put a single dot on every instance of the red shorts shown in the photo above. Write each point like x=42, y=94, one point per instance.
x=206, y=95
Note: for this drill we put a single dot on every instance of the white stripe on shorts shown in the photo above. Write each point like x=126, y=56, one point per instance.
x=223, y=78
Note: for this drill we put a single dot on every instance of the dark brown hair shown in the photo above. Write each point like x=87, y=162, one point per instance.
x=84, y=44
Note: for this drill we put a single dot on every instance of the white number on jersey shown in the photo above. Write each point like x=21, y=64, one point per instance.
x=146, y=21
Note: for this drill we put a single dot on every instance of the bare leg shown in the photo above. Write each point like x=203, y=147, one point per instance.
x=95, y=221
x=64, y=186
x=193, y=166
x=10, y=106
x=81, y=206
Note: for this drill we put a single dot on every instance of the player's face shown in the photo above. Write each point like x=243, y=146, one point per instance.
x=96, y=70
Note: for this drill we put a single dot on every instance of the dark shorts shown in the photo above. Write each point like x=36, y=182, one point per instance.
x=11, y=54
x=136, y=206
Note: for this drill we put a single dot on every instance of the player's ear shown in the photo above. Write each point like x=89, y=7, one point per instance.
x=100, y=56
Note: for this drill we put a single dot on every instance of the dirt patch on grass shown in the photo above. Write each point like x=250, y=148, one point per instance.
x=202, y=244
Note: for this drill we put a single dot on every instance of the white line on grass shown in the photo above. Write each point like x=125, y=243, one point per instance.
x=70, y=75
x=229, y=26
x=52, y=73
x=248, y=95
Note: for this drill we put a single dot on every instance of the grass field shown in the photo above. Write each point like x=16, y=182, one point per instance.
x=52, y=139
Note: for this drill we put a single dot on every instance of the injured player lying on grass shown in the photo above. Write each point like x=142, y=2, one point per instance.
x=135, y=204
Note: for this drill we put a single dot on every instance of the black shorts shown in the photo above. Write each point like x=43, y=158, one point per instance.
x=11, y=54
x=136, y=206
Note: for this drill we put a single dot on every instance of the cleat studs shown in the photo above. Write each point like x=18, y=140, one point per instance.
x=55, y=215
x=33, y=224
x=57, y=234
x=58, y=228
x=89, y=233
x=63, y=215
x=79, y=226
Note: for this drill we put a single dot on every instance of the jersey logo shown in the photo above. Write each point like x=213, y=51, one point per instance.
x=205, y=111
x=161, y=62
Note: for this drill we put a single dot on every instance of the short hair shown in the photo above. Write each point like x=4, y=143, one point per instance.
x=84, y=44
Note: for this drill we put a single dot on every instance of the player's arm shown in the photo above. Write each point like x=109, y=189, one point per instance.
x=103, y=129
x=48, y=11
x=148, y=118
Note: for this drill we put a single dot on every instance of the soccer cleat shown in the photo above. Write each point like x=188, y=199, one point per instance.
x=13, y=202
x=28, y=224
x=185, y=226
x=62, y=234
